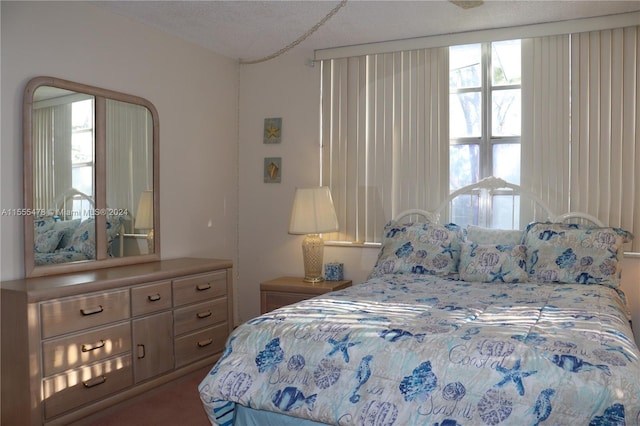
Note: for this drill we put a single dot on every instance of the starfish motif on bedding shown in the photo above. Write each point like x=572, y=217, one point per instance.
x=514, y=375
x=498, y=276
x=342, y=346
x=448, y=249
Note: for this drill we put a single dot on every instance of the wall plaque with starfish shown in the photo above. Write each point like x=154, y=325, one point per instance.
x=272, y=130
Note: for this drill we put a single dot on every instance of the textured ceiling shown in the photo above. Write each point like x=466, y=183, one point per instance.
x=253, y=29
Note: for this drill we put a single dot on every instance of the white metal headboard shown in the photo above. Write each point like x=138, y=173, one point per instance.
x=492, y=184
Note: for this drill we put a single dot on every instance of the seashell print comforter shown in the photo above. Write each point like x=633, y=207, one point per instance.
x=422, y=350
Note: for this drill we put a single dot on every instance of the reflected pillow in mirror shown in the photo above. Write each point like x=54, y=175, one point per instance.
x=500, y=263
x=83, y=239
x=47, y=241
x=68, y=227
x=114, y=224
x=44, y=223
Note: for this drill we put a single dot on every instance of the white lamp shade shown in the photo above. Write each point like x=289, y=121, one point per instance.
x=312, y=211
x=144, y=214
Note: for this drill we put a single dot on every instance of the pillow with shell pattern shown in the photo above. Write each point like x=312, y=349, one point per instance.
x=419, y=248
x=573, y=253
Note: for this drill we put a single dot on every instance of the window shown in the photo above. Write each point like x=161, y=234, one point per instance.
x=405, y=129
x=484, y=127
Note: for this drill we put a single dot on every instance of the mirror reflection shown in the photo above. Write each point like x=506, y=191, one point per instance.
x=92, y=173
x=63, y=170
x=129, y=175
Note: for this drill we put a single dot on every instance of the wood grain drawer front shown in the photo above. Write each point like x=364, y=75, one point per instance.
x=200, y=315
x=150, y=298
x=197, y=288
x=200, y=344
x=67, y=391
x=278, y=300
x=62, y=354
x=79, y=313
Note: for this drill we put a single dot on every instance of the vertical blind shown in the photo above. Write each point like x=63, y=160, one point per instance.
x=385, y=141
x=605, y=121
x=50, y=125
x=385, y=138
x=546, y=120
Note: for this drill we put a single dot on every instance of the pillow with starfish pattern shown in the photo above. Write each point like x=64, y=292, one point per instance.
x=501, y=263
x=419, y=248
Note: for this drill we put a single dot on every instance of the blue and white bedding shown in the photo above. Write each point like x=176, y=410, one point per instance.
x=62, y=241
x=407, y=349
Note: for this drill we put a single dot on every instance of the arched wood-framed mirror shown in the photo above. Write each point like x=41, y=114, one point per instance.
x=91, y=178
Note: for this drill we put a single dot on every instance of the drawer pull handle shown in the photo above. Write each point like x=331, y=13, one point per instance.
x=94, y=382
x=92, y=311
x=202, y=315
x=203, y=343
x=154, y=297
x=141, y=352
x=203, y=287
x=89, y=348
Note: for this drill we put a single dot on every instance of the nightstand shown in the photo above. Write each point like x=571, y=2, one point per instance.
x=287, y=290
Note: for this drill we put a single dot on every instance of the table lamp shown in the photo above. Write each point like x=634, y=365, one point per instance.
x=311, y=214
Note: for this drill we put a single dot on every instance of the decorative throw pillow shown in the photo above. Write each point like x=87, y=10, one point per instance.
x=480, y=235
x=419, y=248
x=571, y=253
x=44, y=223
x=493, y=263
x=68, y=227
x=47, y=241
x=83, y=239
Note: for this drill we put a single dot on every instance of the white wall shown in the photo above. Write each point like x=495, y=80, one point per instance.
x=287, y=88
x=194, y=91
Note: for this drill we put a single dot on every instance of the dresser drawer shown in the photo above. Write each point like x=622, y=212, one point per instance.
x=200, y=344
x=201, y=315
x=150, y=298
x=79, y=313
x=67, y=391
x=62, y=354
x=197, y=288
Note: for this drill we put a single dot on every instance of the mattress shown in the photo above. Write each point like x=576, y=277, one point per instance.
x=405, y=349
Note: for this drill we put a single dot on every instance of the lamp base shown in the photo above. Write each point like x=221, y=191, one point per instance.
x=312, y=253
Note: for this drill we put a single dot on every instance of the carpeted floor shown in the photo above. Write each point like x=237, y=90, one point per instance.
x=174, y=404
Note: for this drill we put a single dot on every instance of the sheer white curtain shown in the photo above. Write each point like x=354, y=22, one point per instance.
x=385, y=137
x=129, y=154
x=51, y=154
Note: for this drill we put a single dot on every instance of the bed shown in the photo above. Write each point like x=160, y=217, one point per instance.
x=455, y=326
x=67, y=234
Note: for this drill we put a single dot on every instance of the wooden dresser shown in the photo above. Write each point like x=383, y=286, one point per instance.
x=77, y=343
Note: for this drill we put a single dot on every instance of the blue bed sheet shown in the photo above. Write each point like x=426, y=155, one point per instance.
x=414, y=349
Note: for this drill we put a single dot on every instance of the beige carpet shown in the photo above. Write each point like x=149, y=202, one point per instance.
x=174, y=404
